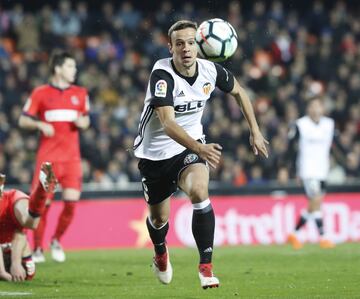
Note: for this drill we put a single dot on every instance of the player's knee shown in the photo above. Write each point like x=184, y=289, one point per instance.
x=199, y=192
x=315, y=203
x=159, y=221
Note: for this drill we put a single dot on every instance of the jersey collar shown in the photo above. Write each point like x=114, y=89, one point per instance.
x=190, y=80
x=58, y=88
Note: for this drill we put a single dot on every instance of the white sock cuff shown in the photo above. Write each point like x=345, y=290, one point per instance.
x=153, y=226
x=201, y=205
x=305, y=214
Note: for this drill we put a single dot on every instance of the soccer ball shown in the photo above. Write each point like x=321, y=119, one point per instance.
x=216, y=40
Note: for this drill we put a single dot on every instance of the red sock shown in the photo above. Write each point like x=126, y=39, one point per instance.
x=39, y=232
x=65, y=219
x=37, y=201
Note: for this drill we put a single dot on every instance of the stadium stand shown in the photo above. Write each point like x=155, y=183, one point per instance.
x=286, y=54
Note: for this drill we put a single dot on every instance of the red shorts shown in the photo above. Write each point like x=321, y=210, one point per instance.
x=68, y=174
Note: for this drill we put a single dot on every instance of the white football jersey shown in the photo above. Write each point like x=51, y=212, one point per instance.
x=315, y=140
x=188, y=101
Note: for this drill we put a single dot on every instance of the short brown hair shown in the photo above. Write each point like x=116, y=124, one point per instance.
x=179, y=25
x=58, y=59
x=314, y=98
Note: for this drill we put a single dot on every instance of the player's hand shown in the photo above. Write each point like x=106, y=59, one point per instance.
x=46, y=128
x=5, y=276
x=258, y=143
x=211, y=153
x=82, y=122
x=18, y=272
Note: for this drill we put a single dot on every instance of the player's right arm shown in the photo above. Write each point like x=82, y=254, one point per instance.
x=3, y=274
x=28, y=120
x=209, y=152
x=18, y=243
x=293, y=140
x=161, y=87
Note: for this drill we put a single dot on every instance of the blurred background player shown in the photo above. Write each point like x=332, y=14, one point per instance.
x=172, y=149
x=19, y=211
x=312, y=137
x=58, y=110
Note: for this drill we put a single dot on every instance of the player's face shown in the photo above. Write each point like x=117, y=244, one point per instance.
x=183, y=47
x=67, y=71
x=316, y=110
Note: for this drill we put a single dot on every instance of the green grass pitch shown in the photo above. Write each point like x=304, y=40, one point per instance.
x=244, y=272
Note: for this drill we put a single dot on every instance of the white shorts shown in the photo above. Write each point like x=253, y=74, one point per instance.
x=314, y=188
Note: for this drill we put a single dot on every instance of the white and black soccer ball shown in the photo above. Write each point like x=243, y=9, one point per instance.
x=216, y=40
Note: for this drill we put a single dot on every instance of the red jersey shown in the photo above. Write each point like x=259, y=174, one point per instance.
x=60, y=108
x=8, y=222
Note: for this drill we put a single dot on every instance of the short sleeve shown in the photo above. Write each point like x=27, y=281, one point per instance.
x=294, y=133
x=224, y=79
x=161, y=88
x=32, y=104
x=86, y=106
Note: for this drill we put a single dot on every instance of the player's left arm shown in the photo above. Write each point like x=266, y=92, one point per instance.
x=257, y=141
x=18, y=243
x=226, y=82
x=83, y=120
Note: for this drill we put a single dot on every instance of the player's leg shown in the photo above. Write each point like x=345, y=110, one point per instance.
x=315, y=204
x=46, y=187
x=194, y=181
x=28, y=262
x=304, y=217
x=158, y=188
x=71, y=180
x=38, y=233
x=158, y=226
x=71, y=197
x=293, y=237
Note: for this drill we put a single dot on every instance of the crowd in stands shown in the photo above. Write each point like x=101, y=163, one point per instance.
x=286, y=54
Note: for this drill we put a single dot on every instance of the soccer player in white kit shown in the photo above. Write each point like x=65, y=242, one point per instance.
x=314, y=134
x=171, y=146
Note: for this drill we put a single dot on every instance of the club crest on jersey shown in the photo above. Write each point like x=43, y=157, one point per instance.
x=207, y=88
x=160, y=88
x=74, y=100
x=190, y=158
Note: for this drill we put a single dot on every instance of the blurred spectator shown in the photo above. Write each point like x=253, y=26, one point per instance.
x=286, y=53
x=337, y=174
x=282, y=176
x=28, y=34
x=65, y=22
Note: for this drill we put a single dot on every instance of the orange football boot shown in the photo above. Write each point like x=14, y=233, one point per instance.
x=294, y=241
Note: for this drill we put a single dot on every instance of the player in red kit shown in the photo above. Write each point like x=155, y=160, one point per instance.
x=58, y=110
x=19, y=211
